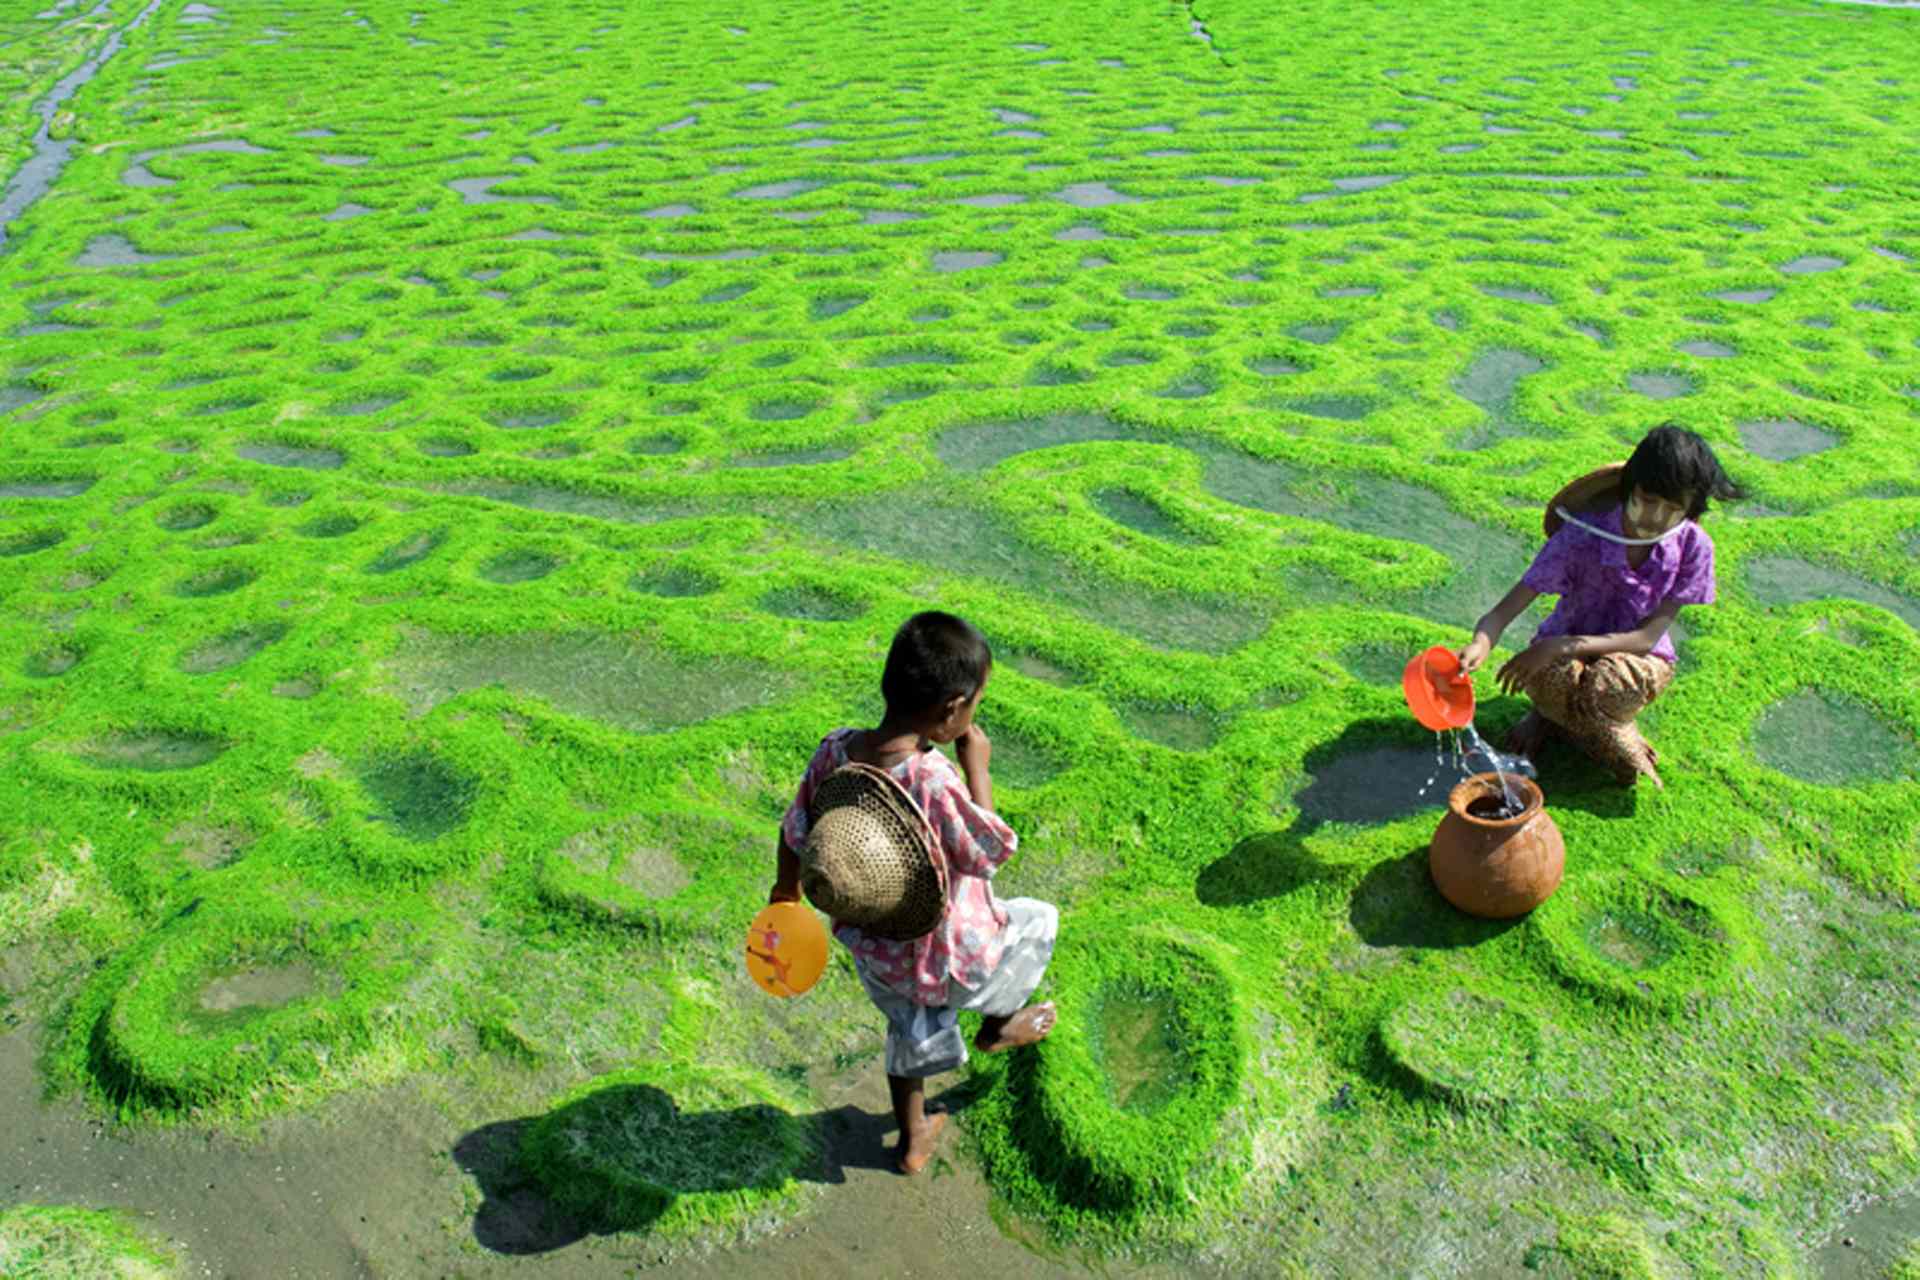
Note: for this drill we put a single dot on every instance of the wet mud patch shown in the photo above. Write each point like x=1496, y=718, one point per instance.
x=1489, y=382
x=656, y=874
x=51, y=662
x=186, y=517
x=231, y=648
x=811, y=604
x=511, y=567
x=1661, y=385
x=1179, y=728
x=221, y=581
x=416, y=795
x=239, y=996
x=152, y=751
x=26, y=542
x=674, y=582
x=408, y=552
x=286, y=455
x=70, y=488
x=1789, y=580
x=1143, y=515
x=1826, y=738
x=333, y=526
x=1784, y=439
x=625, y=682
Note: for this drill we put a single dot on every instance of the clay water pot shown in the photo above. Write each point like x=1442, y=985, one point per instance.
x=1491, y=866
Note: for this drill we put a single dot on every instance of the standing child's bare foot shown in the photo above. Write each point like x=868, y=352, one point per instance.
x=1029, y=1026
x=1527, y=737
x=916, y=1149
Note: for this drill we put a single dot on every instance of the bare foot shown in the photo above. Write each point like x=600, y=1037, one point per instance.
x=1029, y=1026
x=1527, y=737
x=914, y=1151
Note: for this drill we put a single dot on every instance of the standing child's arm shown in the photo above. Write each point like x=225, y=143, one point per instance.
x=1486, y=632
x=786, y=883
x=974, y=751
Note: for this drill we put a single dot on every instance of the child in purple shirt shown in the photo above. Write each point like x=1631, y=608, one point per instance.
x=1622, y=574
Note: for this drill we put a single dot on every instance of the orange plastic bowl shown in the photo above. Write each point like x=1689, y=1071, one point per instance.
x=786, y=949
x=1439, y=696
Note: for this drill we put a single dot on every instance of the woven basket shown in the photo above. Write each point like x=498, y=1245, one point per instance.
x=868, y=860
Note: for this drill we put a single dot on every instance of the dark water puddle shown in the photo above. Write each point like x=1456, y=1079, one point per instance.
x=1825, y=738
x=1125, y=507
x=1140, y=1044
x=1333, y=408
x=1788, y=580
x=1375, y=664
x=1706, y=349
x=617, y=680
x=230, y=649
x=416, y=795
x=136, y=174
x=1489, y=382
x=1372, y=785
x=224, y=580
x=782, y=410
x=1784, y=439
x=181, y=519
x=116, y=251
x=510, y=567
x=1516, y=293
x=15, y=397
x=480, y=191
x=37, y=174
x=335, y=526
x=782, y=190
x=46, y=488
x=949, y=260
x=1744, y=295
x=1273, y=366
x=1093, y=195
x=674, y=582
x=1318, y=334
x=254, y=990
x=406, y=554
x=153, y=750
x=27, y=542
x=286, y=455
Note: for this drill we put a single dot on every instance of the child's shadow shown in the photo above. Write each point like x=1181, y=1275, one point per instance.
x=518, y=1216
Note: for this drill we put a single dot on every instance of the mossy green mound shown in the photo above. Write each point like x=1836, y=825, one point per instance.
x=46, y=1242
x=673, y=1150
x=1626, y=937
x=1122, y=1111
x=256, y=990
x=1468, y=1047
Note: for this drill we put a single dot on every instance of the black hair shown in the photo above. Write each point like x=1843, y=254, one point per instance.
x=934, y=657
x=1673, y=463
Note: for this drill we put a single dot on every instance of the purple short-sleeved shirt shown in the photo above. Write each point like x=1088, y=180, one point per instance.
x=1601, y=595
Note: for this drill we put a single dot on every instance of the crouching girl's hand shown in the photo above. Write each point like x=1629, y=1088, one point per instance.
x=1527, y=665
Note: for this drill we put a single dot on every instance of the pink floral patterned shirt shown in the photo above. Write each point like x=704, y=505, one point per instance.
x=967, y=943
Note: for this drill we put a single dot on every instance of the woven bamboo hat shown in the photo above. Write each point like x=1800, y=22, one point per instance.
x=1591, y=493
x=868, y=860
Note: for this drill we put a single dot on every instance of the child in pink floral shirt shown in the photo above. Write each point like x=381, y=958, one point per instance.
x=985, y=955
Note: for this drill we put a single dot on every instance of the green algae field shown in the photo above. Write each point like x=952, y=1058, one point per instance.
x=458, y=461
